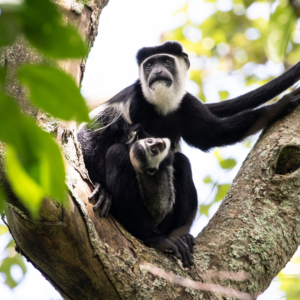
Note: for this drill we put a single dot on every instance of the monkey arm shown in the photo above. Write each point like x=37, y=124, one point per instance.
x=258, y=96
x=211, y=131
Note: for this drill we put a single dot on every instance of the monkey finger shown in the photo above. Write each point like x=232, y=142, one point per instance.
x=168, y=245
x=100, y=199
x=175, y=252
x=190, y=256
x=188, y=252
x=191, y=239
x=95, y=191
x=106, y=206
x=188, y=241
x=194, y=242
x=185, y=252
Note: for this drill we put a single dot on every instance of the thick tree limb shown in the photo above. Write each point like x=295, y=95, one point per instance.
x=254, y=233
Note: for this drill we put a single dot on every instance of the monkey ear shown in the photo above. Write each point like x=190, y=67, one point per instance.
x=186, y=59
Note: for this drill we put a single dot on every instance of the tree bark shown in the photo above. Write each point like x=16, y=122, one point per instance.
x=254, y=233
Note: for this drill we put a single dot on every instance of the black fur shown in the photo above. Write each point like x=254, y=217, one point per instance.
x=173, y=48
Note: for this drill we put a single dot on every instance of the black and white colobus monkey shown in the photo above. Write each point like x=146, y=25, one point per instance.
x=139, y=176
x=159, y=101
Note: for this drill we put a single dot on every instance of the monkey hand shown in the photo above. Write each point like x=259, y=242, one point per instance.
x=184, y=246
x=190, y=241
x=104, y=199
x=175, y=246
x=288, y=102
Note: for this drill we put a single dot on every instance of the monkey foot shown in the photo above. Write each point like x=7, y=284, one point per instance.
x=182, y=244
x=175, y=246
x=190, y=241
x=104, y=199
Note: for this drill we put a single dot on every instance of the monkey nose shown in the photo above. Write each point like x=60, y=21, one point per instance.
x=149, y=141
x=159, y=144
x=158, y=72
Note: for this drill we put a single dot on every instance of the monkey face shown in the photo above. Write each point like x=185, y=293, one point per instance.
x=159, y=70
x=163, y=78
x=146, y=155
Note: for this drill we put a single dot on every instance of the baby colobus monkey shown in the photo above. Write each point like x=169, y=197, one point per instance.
x=139, y=175
x=159, y=101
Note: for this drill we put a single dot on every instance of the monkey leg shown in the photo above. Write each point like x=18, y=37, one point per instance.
x=185, y=207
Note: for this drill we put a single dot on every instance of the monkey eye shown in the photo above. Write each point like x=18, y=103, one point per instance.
x=168, y=62
x=148, y=65
x=153, y=150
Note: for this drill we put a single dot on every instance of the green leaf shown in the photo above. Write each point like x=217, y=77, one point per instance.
x=24, y=186
x=35, y=166
x=43, y=28
x=281, y=25
x=55, y=92
x=222, y=191
x=203, y=209
x=5, y=267
x=9, y=25
x=207, y=179
x=223, y=95
x=3, y=229
x=228, y=163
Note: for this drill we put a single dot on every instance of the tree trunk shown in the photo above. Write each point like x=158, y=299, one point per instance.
x=249, y=240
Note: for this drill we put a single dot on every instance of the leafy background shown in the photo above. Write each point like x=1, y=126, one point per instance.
x=234, y=46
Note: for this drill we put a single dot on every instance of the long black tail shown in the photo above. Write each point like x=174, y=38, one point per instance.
x=257, y=97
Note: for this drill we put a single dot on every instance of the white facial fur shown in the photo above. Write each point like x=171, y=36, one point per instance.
x=166, y=99
x=153, y=162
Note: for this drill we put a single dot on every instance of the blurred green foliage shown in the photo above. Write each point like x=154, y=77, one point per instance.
x=34, y=164
x=221, y=189
x=48, y=86
x=236, y=34
x=12, y=259
x=290, y=284
x=41, y=23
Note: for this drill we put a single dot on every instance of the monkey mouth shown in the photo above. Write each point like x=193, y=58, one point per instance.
x=153, y=83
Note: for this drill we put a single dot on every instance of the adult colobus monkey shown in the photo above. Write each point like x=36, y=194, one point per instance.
x=159, y=101
x=139, y=175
